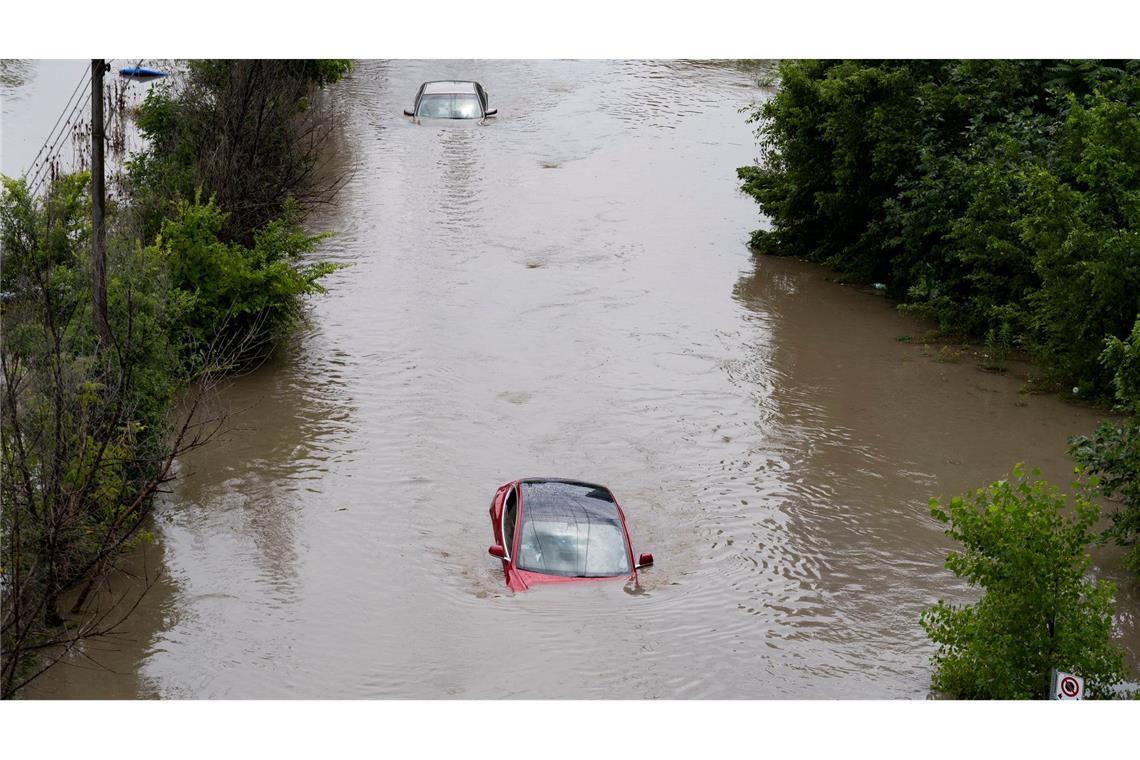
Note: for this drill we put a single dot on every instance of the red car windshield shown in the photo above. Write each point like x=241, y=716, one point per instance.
x=571, y=529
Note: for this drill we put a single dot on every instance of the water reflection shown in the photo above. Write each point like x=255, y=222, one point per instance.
x=232, y=538
x=457, y=173
x=144, y=597
x=282, y=443
x=870, y=429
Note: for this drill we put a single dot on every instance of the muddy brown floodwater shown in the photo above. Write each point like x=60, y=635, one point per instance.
x=566, y=291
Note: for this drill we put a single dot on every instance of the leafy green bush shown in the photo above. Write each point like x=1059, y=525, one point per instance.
x=1082, y=222
x=230, y=294
x=1026, y=548
x=1122, y=359
x=37, y=237
x=247, y=135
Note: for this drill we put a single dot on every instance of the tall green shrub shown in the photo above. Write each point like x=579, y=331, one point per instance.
x=85, y=436
x=1082, y=224
x=230, y=294
x=89, y=431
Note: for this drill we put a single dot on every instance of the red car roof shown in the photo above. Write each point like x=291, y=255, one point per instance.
x=564, y=500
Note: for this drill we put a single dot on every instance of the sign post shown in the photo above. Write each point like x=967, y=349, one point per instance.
x=1066, y=686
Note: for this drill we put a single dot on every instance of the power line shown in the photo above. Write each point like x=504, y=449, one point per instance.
x=82, y=79
x=44, y=169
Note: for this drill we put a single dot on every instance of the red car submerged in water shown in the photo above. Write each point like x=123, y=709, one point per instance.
x=549, y=530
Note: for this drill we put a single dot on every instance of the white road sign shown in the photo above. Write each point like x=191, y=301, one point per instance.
x=1067, y=686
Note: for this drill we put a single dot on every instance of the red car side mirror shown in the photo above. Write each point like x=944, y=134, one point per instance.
x=497, y=551
x=645, y=559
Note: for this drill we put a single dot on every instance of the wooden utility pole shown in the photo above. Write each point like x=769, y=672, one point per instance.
x=98, y=197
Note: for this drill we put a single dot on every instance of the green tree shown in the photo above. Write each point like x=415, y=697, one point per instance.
x=87, y=438
x=1027, y=549
x=1082, y=223
x=195, y=289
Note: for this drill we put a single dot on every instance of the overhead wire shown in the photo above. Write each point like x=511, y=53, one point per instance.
x=79, y=84
x=44, y=168
x=43, y=171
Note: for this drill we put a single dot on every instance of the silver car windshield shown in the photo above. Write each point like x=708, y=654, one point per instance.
x=450, y=106
x=572, y=530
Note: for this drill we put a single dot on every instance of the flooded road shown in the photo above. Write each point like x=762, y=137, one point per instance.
x=566, y=291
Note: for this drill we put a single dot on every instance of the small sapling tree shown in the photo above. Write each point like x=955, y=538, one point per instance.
x=1026, y=547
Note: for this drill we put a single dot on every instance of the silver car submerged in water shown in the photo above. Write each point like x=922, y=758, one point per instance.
x=451, y=99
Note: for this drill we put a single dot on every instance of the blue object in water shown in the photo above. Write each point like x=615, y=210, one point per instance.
x=138, y=72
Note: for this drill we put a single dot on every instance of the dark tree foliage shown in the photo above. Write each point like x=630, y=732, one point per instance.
x=995, y=196
x=246, y=133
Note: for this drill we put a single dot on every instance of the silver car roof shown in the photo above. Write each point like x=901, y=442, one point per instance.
x=433, y=88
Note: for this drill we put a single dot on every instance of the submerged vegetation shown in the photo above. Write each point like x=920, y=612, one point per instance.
x=1112, y=454
x=207, y=269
